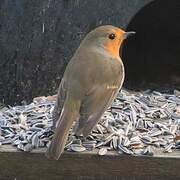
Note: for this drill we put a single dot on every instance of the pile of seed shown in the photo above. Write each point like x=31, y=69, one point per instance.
x=136, y=123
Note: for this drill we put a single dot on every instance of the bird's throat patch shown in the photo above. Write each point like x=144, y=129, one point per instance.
x=112, y=48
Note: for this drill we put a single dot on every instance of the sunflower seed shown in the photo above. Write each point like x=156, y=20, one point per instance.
x=124, y=149
x=168, y=148
x=135, y=120
x=102, y=151
x=77, y=148
x=148, y=151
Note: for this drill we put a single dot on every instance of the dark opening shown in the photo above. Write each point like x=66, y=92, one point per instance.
x=152, y=56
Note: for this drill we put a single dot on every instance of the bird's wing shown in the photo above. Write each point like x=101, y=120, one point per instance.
x=59, y=102
x=93, y=106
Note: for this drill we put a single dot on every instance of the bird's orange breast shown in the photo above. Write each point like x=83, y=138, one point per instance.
x=112, y=49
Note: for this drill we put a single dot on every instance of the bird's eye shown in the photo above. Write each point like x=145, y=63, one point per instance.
x=112, y=36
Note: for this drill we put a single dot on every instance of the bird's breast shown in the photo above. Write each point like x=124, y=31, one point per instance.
x=92, y=67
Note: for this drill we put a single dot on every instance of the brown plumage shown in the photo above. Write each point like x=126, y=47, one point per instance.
x=90, y=83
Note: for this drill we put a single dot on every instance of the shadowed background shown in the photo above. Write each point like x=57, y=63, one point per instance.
x=38, y=38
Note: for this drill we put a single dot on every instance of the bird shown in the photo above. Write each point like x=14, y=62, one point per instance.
x=90, y=83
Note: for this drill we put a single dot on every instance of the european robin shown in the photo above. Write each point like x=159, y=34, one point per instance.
x=90, y=83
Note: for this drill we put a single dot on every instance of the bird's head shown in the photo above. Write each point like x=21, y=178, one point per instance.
x=108, y=37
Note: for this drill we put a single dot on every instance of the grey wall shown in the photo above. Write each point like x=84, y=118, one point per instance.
x=38, y=37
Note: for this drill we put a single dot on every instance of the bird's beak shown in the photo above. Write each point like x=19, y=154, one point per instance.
x=127, y=34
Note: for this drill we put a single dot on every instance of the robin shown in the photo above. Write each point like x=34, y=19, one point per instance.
x=90, y=83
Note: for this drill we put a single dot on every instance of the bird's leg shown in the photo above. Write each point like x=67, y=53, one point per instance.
x=80, y=125
x=89, y=127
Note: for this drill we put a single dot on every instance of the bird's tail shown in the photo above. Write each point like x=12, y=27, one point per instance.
x=68, y=115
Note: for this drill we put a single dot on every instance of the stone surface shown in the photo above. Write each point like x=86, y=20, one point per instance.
x=37, y=39
x=152, y=56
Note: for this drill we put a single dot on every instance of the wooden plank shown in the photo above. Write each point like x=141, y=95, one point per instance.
x=88, y=165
